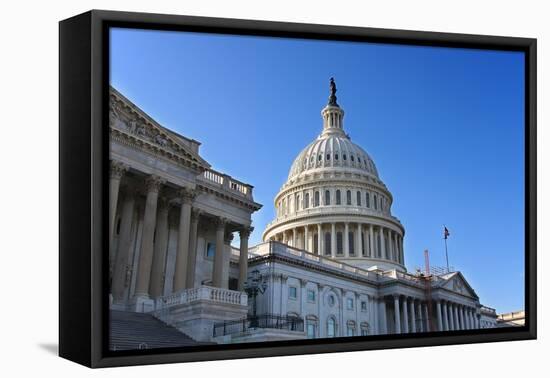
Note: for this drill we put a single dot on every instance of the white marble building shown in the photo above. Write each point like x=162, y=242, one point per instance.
x=331, y=264
x=333, y=256
x=172, y=219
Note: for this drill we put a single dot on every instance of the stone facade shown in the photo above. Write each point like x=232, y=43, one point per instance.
x=171, y=223
x=331, y=263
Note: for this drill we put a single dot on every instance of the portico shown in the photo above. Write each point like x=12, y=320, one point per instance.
x=171, y=217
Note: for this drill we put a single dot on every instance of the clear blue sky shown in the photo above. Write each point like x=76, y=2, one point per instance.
x=445, y=128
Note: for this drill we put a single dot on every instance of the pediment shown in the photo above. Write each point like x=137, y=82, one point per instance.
x=456, y=282
x=127, y=120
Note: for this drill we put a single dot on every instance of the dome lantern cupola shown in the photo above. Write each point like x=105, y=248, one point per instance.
x=333, y=115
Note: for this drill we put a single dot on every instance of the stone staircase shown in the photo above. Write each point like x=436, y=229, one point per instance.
x=133, y=330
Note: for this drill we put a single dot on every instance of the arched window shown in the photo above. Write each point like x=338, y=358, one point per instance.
x=328, y=156
x=351, y=244
x=331, y=327
x=364, y=329
x=339, y=244
x=368, y=200
x=345, y=157
x=327, y=197
x=350, y=328
x=311, y=326
x=358, y=198
x=348, y=197
x=297, y=202
x=335, y=156
x=375, y=203
x=306, y=201
x=338, y=197
x=316, y=199
x=320, y=157
x=351, y=157
x=328, y=246
x=381, y=204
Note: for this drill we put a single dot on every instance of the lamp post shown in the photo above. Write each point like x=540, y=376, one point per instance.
x=254, y=285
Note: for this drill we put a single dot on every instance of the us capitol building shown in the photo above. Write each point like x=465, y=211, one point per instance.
x=331, y=263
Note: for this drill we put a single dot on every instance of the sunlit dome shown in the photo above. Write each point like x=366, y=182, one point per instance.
x=334, y=203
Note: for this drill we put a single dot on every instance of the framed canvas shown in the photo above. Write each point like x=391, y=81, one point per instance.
x=235, y=188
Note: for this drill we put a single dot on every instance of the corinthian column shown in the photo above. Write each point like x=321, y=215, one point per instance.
x=121, y=261
x=306, y=239
x=371, y=242
x=358, y=242
x=445, y=325
x=405, y=316
x=439, y=317
x=161, y=242
x=192, y=255
x=396, y=314
x=217, y=271
x=319, y=239
x=382, y=244
x=182, y=253
x=346, y=239
x=116, y=173
x=413, y=316
x=333, y=245
x=149, y=223
x=243, y=256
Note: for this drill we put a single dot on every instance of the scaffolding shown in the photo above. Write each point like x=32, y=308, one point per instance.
x=427, y=277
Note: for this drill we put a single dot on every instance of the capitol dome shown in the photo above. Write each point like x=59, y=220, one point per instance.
x=334, y=204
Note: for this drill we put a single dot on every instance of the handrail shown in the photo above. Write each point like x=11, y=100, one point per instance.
x=269, y=321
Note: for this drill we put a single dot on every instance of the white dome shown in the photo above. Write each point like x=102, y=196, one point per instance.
x=333, y=152
x=335, y=205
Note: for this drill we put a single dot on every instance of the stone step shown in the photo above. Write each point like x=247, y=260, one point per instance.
x=129, y=330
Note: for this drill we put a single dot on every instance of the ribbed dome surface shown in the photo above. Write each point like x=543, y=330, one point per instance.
x=332, y=151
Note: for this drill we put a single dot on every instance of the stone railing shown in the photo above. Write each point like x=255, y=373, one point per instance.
x=488, y=310
x=277, y=248
x=226, y=182
x=206, y=293
x=407, y=277
x=236, y=254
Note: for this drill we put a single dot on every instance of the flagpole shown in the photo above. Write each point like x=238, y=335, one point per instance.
x=447, y=256
x=445, y=235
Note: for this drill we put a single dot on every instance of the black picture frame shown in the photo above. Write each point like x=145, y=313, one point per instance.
x=83, y=154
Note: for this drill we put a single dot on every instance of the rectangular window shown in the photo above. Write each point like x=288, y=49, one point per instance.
x=363, y=306
x=210, y=250
x=311, y=296
x=310, y=330
x=351, y=243
x=364, y=332
x=351, y=331
x=350, y=303
x=292, y=292
x=339, y=244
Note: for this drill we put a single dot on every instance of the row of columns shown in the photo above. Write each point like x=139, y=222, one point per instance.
x=454, y=316
x=412, y=315
x=305, y=199
x=154, y=241
x=379, y=242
